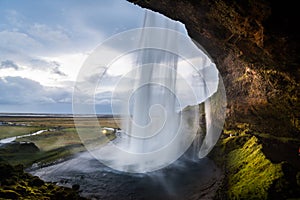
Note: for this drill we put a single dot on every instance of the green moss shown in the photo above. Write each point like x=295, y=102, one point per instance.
x=240, y=130
x=20, y=185
x=251, y=173
x=226, y=145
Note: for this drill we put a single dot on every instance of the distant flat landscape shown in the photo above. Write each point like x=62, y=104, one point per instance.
x=54, y=136
x=52, y=115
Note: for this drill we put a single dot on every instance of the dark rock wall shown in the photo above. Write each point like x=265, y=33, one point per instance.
x=255, y=45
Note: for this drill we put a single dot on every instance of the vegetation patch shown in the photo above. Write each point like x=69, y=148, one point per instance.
x=59, y=142
x=251, y=173
x=16, y=184
x=12, y=131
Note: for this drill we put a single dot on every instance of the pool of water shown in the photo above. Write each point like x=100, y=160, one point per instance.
x=184, y=179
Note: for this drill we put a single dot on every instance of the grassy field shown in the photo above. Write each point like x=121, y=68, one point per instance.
x=59, y=141
x=65, y=122
x=11, y=131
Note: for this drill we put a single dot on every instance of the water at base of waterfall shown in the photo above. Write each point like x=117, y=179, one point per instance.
x=184, y=179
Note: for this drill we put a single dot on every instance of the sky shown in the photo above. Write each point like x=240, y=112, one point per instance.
x=43, y=45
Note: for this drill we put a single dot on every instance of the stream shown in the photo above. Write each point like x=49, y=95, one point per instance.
x=11, y=139
x=184, y=179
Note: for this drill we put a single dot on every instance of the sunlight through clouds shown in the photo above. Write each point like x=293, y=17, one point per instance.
x=46, y=43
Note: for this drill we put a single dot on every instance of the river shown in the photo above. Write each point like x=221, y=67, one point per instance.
x=184, y=179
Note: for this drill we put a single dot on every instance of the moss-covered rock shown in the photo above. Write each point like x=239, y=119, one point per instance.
x=16, y=184
x=249, y=173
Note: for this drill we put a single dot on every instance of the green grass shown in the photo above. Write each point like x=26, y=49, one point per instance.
x=64, y=122
x=60, y=142
x=42, y=157
x=11, y=131
x=50, y=140
x=53, y=145
x=57, y=144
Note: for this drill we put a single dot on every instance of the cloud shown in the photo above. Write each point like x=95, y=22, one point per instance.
x=25, y=37
x=28, y=36
x=105, y=18
x=57, y=71
x=48, y=46
x=18, y=90
x=14, y=18
x=52, y=37
x=21, y=91
x=12, y=42
x=8, y=64
x=42, y=64
x=69, y=63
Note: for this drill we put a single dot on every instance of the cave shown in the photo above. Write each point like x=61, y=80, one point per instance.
x=255, y=45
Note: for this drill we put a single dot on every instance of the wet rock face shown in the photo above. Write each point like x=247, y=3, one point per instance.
x=255, y=45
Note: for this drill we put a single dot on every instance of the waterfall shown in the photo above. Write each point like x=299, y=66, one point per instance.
x=168, y=78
